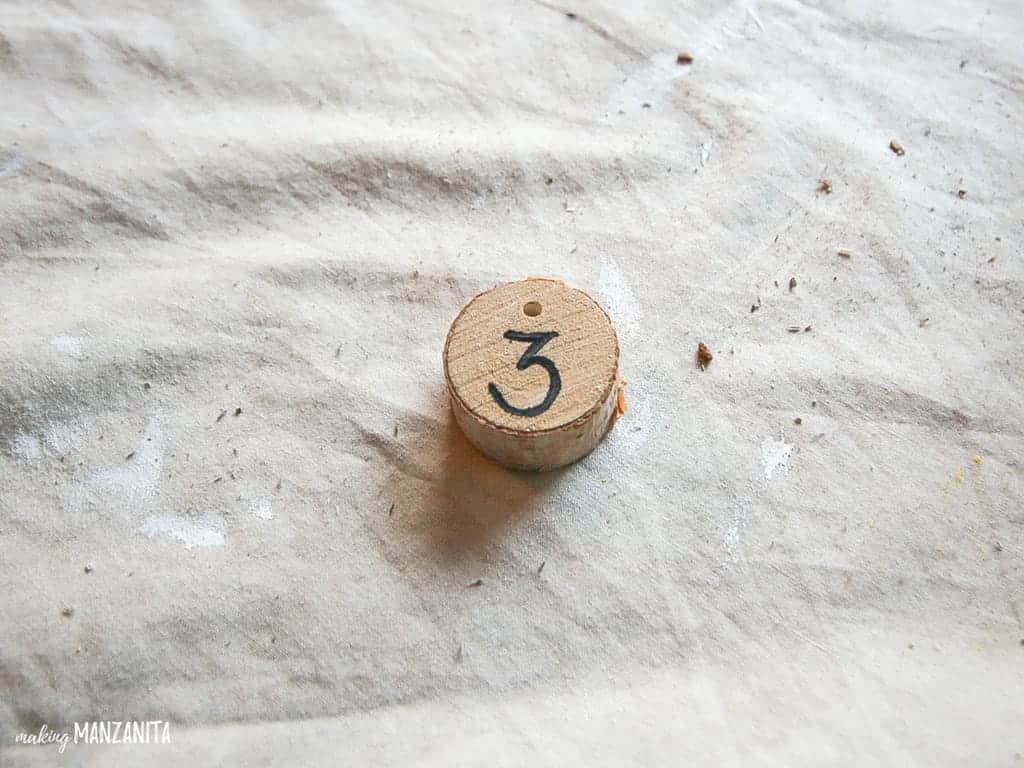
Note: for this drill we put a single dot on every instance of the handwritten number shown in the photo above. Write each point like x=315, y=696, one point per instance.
x=530, y=357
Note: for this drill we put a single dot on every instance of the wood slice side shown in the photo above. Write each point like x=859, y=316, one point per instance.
x=532, y=370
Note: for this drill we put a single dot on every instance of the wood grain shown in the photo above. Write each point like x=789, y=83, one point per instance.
x=585, y=354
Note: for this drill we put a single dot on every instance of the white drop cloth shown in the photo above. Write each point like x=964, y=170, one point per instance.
x=280, y=207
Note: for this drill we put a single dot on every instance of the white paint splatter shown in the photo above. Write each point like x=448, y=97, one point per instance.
x=775, y=455
x=139, y=478
x=651, y=82
x=261, y=508
x=204, y=531
x=68, y=345
x=61, y=437
x=58, y=437
x=618, y=298
x=26, y=446
x=734, y=534
x=616, y=295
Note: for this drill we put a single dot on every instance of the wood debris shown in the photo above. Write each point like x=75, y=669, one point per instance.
x=844, y=253
x=704, y=356
x=684, y=58
x=825, y=185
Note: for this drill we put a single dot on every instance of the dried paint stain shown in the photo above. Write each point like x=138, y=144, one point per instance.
x=204, y=531
x=68, y=345
x=775, y=455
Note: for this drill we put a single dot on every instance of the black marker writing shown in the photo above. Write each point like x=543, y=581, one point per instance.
x=530, y=357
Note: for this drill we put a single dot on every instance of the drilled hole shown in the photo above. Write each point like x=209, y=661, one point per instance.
x=531, y=308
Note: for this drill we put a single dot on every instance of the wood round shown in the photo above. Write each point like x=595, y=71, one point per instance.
x=532, y=370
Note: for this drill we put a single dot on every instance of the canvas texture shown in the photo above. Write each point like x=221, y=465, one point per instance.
x=233, y=236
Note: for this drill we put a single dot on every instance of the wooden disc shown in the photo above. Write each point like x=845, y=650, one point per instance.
x=532, y=370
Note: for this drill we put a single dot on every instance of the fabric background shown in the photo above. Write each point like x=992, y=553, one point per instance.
x=280, y=207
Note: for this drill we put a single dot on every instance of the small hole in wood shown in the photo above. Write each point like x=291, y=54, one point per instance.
x=531, y=308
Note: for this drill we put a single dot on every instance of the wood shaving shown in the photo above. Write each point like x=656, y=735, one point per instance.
x=704, y=356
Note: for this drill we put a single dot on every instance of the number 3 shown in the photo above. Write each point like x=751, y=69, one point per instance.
x=530, y=357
